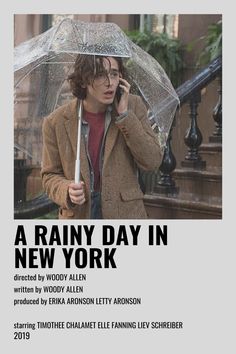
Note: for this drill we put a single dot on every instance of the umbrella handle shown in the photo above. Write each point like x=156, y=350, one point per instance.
x=77, y=161
x=77, y=170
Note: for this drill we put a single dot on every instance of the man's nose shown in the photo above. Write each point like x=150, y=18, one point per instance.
x=108, y=81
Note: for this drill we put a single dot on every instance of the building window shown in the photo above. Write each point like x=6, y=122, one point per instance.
x=160, y=24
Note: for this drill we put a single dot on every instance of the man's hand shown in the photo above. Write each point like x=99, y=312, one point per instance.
x=122, y=105
x=76, y=193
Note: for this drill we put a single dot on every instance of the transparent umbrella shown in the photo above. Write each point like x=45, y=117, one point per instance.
x=43, y=63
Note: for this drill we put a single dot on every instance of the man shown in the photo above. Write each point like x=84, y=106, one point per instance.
x=116, y=138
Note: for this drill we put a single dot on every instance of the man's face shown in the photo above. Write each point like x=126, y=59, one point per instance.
x=103, y=89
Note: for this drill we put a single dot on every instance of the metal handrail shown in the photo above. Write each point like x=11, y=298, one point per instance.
x=200, y=80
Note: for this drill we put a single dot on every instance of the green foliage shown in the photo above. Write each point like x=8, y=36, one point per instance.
x=213, y=44
x=167, y=51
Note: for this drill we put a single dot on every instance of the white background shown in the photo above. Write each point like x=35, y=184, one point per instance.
x=191, y=280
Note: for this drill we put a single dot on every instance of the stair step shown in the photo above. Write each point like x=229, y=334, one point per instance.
x=184, y=206
x=212, y=154
x=202, y=183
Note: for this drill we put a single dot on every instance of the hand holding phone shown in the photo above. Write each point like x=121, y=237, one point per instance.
x=119, y=92
x=122, y=95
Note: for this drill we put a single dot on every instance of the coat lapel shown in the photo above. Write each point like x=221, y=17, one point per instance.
x=71, y=126
x=112, y=134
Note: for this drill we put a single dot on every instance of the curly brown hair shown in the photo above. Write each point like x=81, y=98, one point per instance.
x=86, y=69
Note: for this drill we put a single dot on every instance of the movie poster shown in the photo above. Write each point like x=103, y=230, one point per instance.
x=129, y=285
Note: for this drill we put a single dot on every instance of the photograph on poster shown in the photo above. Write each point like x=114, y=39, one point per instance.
x=116, y=233
x=153, y=152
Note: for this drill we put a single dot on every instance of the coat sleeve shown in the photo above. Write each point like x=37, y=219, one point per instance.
x=53, y=180
x=139, y=136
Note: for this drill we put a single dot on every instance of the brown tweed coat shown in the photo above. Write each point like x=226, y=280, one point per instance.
x=129, y=141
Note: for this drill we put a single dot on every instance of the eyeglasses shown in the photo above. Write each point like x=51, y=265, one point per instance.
x=104, y=76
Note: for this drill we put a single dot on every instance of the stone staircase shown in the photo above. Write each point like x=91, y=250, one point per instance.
x=199, y=191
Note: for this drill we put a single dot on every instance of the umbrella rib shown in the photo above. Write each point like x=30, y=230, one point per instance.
x=59, y=91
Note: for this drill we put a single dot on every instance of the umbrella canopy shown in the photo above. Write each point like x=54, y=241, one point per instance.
x=42, y=65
